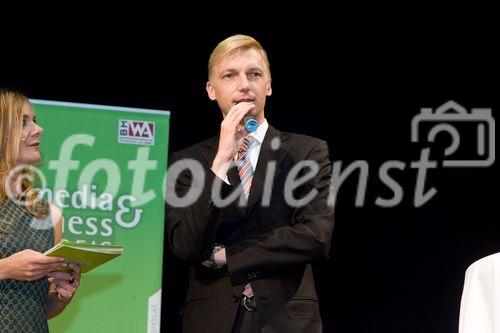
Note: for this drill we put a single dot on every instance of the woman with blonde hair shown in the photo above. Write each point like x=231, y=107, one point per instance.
x=32, y=289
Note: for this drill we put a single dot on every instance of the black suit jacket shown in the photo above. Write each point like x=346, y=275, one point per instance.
x=271, y=246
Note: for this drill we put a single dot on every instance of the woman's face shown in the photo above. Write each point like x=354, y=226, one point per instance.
x=29, y=152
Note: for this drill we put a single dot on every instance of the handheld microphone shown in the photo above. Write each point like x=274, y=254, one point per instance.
x=250, y=123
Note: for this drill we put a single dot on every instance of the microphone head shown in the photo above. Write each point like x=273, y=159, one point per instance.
x=250, y=124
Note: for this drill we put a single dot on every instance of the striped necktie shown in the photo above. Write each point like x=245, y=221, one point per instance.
x=245, y=169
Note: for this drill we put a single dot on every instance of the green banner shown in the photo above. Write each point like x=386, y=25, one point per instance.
x=105, y=167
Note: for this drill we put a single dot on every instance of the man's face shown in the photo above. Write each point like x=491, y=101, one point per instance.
x=241, y=76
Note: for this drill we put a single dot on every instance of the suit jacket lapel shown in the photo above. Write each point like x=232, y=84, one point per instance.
x=209, y=153
x=267, y=154
x=232, y=173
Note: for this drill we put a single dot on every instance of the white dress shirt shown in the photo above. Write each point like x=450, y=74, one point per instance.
x=254, y=150
x=480, y=306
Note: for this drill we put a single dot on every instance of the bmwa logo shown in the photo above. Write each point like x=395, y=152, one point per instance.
x=136, y=132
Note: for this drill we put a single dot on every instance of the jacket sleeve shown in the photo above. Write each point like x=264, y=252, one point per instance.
x=304, y=240
x=192, y=228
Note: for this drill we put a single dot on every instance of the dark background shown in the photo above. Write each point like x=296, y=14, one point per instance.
x=353, y=74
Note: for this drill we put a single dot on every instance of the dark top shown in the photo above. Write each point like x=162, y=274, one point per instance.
x=22, y=304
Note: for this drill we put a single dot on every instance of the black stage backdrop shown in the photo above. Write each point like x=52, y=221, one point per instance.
x=352, y=74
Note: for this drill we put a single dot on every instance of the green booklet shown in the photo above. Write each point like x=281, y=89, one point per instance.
x=88, y=256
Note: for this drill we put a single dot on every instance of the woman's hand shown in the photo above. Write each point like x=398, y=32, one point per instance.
x=29, y=265
x=66, y=284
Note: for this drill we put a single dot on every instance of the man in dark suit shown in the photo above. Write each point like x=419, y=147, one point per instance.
x=250, y=257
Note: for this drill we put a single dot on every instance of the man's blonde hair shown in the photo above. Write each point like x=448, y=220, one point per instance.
x=232, y=44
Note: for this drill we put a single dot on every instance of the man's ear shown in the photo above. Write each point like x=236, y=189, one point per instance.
x=269, y=90
x=211, y=91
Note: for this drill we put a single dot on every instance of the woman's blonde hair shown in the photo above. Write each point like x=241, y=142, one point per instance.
x=11, y=125
x=233, y=43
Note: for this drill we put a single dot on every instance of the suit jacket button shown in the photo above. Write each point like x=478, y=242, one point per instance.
x=210, y=203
